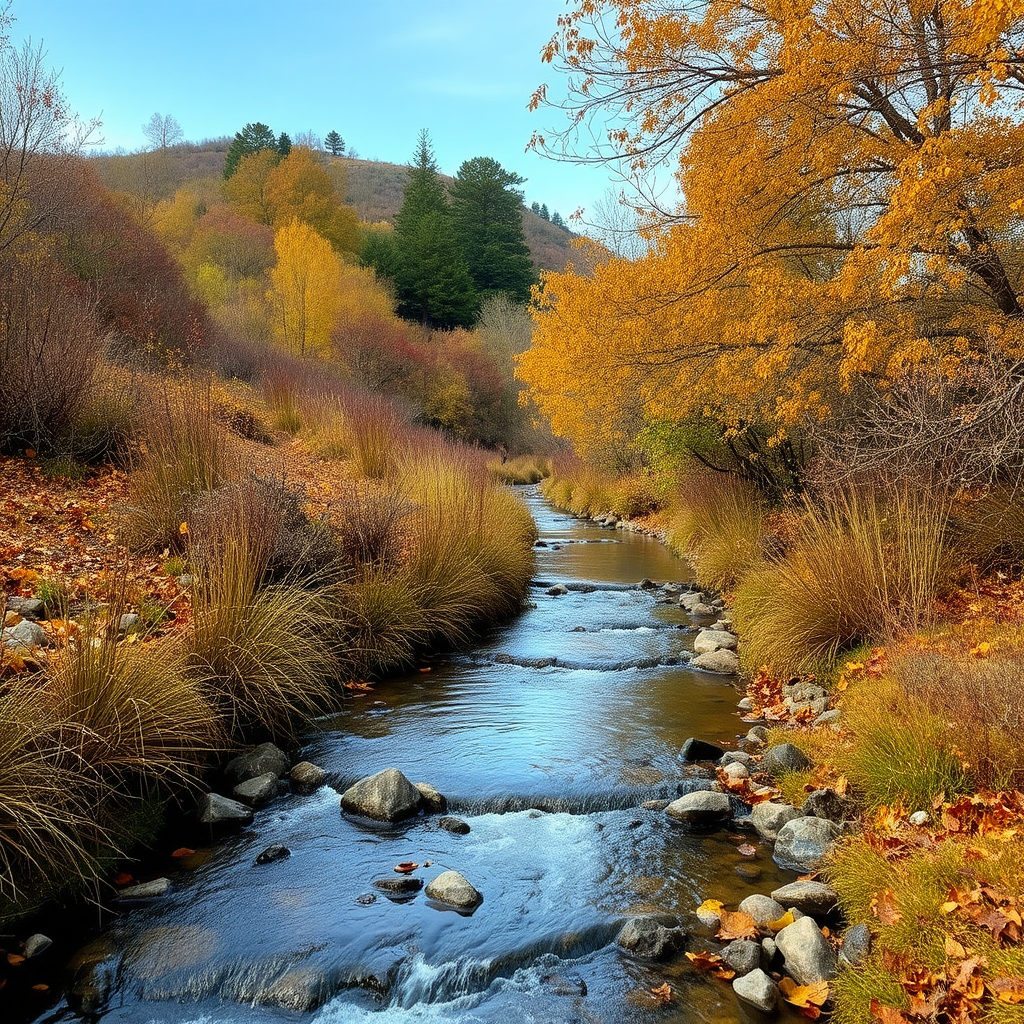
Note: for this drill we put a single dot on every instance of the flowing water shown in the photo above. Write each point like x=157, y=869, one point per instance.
x=546, y=739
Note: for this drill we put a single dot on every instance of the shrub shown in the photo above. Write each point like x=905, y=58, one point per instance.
x=267, y=655
x=184, y=455
x=524, y=469
x=281, y=399
x=376, y=431
x=106, y=425
x=863, y=565
x=718, y=525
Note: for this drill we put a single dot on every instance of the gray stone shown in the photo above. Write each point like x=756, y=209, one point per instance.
x=736, y=771
x=920, y=818
x=454, y=825
x=672, y=589
x=763, y=909
x=256, y=792
x=751, y=872
x=701, y=808
x=769, y=949
x=25, y=634
x=258, y=761
x=701, y=610
x=433, y=802
x=26, y=607
x=827, y=803
x=307, y=777
x=720, y=663
x=745, y=704
x=217, y=810
x=399, y=885
x=743, y=955
x=758, y=990
x=690, y=601
x=735, y=757
x=856, y=945
x=128, y=622
x=708, y=640
x=36, y=944
x=814, y=898
x=386, y=796
x=808, y=957
x=558, y=590
x=650, y=938
x=647, y=584
x=785, y=758
x=700, y=750
x=758, y=735
x=452, y=888
x=768, y=818
x=145, y=890
x=803, y=843
x=827, y=717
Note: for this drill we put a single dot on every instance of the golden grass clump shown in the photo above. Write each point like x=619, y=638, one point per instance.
x=523, y=469
x=863, y=565
x=718, y=526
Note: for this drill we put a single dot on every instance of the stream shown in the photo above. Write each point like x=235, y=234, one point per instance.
x=546, y=737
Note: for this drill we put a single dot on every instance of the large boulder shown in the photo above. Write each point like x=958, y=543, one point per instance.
x=708, y=640
x=808, y=957
x=258, y=791
x=433, y=802
x=768, y=818
x=307, y=777
x=386, y=796
x=757, y=989
x=700, y=750
x=650, y=938
x=24, y=634
x=262, y=760
x=452, y=888
x=814, y=898
x=704, y=807
x=785, y=758
x=803, y=843
x=721, y=663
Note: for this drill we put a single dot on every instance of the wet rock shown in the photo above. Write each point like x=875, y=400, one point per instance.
x=700, y=750
x=307, y=777
x=808, y=957
x=803, y=843
x=255, y=762
x=735, y=771
x=36, y=945
x=560, y=985
x=92, y=969
x=856, y=945
x=814, y=898
x=745, y=704
x=302, y=990
x=558, y=590
x=650, y=938
x=145, y=890
x=646, y=584
x=757, y=735
x=763, y=909
x=386, y=796
x=827, y=803
x=433, y=802
x=769, y=817
x=735, y=757
x=690, y=601
x=720, y=663
x=221, y=812
x=701, y=808
x=256, y=792
x=452, y=888
x=708, y=640
x=743, y=955
x=757, y=989
x=751, y=872
x=454, y=825
x=769, y=950
x=655, y=805
x=272, y=853
x=399, y=885
x=165, y=949
x=785, y=758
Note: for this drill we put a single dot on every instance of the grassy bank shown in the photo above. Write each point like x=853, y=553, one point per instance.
x=227, y=582
x=906, y=604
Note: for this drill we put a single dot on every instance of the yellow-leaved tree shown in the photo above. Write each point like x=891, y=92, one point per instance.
x=304, y=289
x=852, y=174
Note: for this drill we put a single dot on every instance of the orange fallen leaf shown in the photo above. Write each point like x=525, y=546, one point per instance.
x=14, y=959
x=807, y=998
x=123, y=878
x=406, y=866
x=737, y=924
x=40, y=988
x=782, y=922
x=886, y=1014
x=712, y=963
x=883, y=906
x=746, y=850
x=183, y=851
x=1007, y=989
x=663, y=993
x=953, y=948
x=711, y=907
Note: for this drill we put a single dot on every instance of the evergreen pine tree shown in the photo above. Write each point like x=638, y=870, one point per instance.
x=335, y=143
x=253, y=138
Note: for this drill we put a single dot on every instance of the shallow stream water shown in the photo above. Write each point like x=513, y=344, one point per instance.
x=546, y=737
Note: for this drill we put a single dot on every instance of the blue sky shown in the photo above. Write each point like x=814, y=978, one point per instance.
x=376, y=71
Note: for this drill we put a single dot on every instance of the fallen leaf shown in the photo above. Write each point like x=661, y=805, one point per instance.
x=746, y=850
x=886, y=1014
x=14, y=959
x=406, y=866
x=782, y=922
x=1007, y=989
x=183, y=851
x=953, y=948
x=123, y=878
x=736, y=924
x=40, y=988
x=807, y=998
x=183, y=528
x=663, y=993
x=883, y=906
x=711, y=907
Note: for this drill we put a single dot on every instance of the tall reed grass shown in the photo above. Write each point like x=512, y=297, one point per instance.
x=863, y=565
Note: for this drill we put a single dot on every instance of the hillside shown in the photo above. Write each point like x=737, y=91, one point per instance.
x=373, y=188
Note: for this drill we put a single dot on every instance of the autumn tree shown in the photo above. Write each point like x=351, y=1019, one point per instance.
x=162, y=130
x=305, y=285
x=852, y=173
x=487, y=212
x=335, y=143
x=248, y=188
